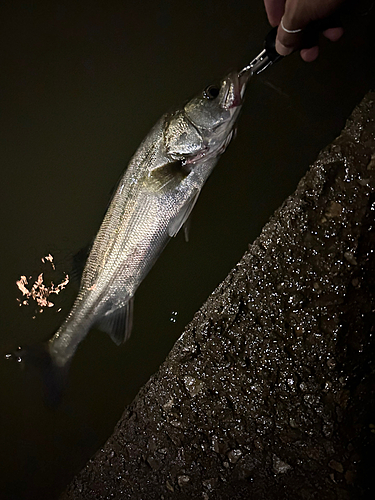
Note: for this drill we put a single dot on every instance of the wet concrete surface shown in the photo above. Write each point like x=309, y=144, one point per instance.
x=269, y=392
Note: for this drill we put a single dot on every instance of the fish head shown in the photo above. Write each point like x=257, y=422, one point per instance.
x=204, y=126
x=217, y=105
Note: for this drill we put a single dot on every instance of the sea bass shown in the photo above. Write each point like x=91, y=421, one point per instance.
x=151, y=203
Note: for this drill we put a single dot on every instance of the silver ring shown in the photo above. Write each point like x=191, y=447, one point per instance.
x=289, y=31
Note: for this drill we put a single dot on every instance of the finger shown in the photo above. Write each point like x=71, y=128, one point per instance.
x=275, y=11
x=286, y=43
x=290, y=32
x=333, y=34
x=309, y=55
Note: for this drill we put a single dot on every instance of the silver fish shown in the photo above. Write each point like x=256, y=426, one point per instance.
x=152, y=201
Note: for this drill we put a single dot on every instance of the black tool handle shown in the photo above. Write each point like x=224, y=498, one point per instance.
x=269, y=45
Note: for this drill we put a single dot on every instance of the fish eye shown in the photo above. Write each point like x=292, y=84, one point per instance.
x=211, y=92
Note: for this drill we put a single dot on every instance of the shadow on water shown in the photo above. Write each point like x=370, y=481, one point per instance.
x=82, y=83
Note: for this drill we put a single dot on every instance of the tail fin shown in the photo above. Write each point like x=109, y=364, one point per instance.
x=53, y=377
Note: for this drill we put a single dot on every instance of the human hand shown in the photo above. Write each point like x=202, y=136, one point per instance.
x=293, y=16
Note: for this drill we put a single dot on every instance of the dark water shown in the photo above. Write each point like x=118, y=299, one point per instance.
x=81, y=85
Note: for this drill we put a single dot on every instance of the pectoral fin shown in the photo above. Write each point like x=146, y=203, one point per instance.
x=167, y=176
x=118, y=324
x=182, y=216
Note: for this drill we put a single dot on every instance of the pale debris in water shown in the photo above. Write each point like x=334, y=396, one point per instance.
x=49, y=258
x=39, y=291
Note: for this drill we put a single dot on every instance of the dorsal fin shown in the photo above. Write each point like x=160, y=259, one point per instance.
x=79, y=261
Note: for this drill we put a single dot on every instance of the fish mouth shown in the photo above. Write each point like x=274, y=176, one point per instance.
x=242, y=81
x=234, y=91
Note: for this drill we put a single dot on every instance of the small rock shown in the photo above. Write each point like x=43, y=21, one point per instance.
x=215, y=444
x=279, y=466
x=169, y=486
x=193, y=385
x=176, y=423
x=293, y=423
x=153, y=462
x=258, y=444
x=334, y=209
x=371, y=164
x=168, y=405
x=211, y=483
x=234, y=456
x=183, y=480
x=355, y=282
x=331, y=363
x=337, y=466
x=327, y=430
x=349, y=256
